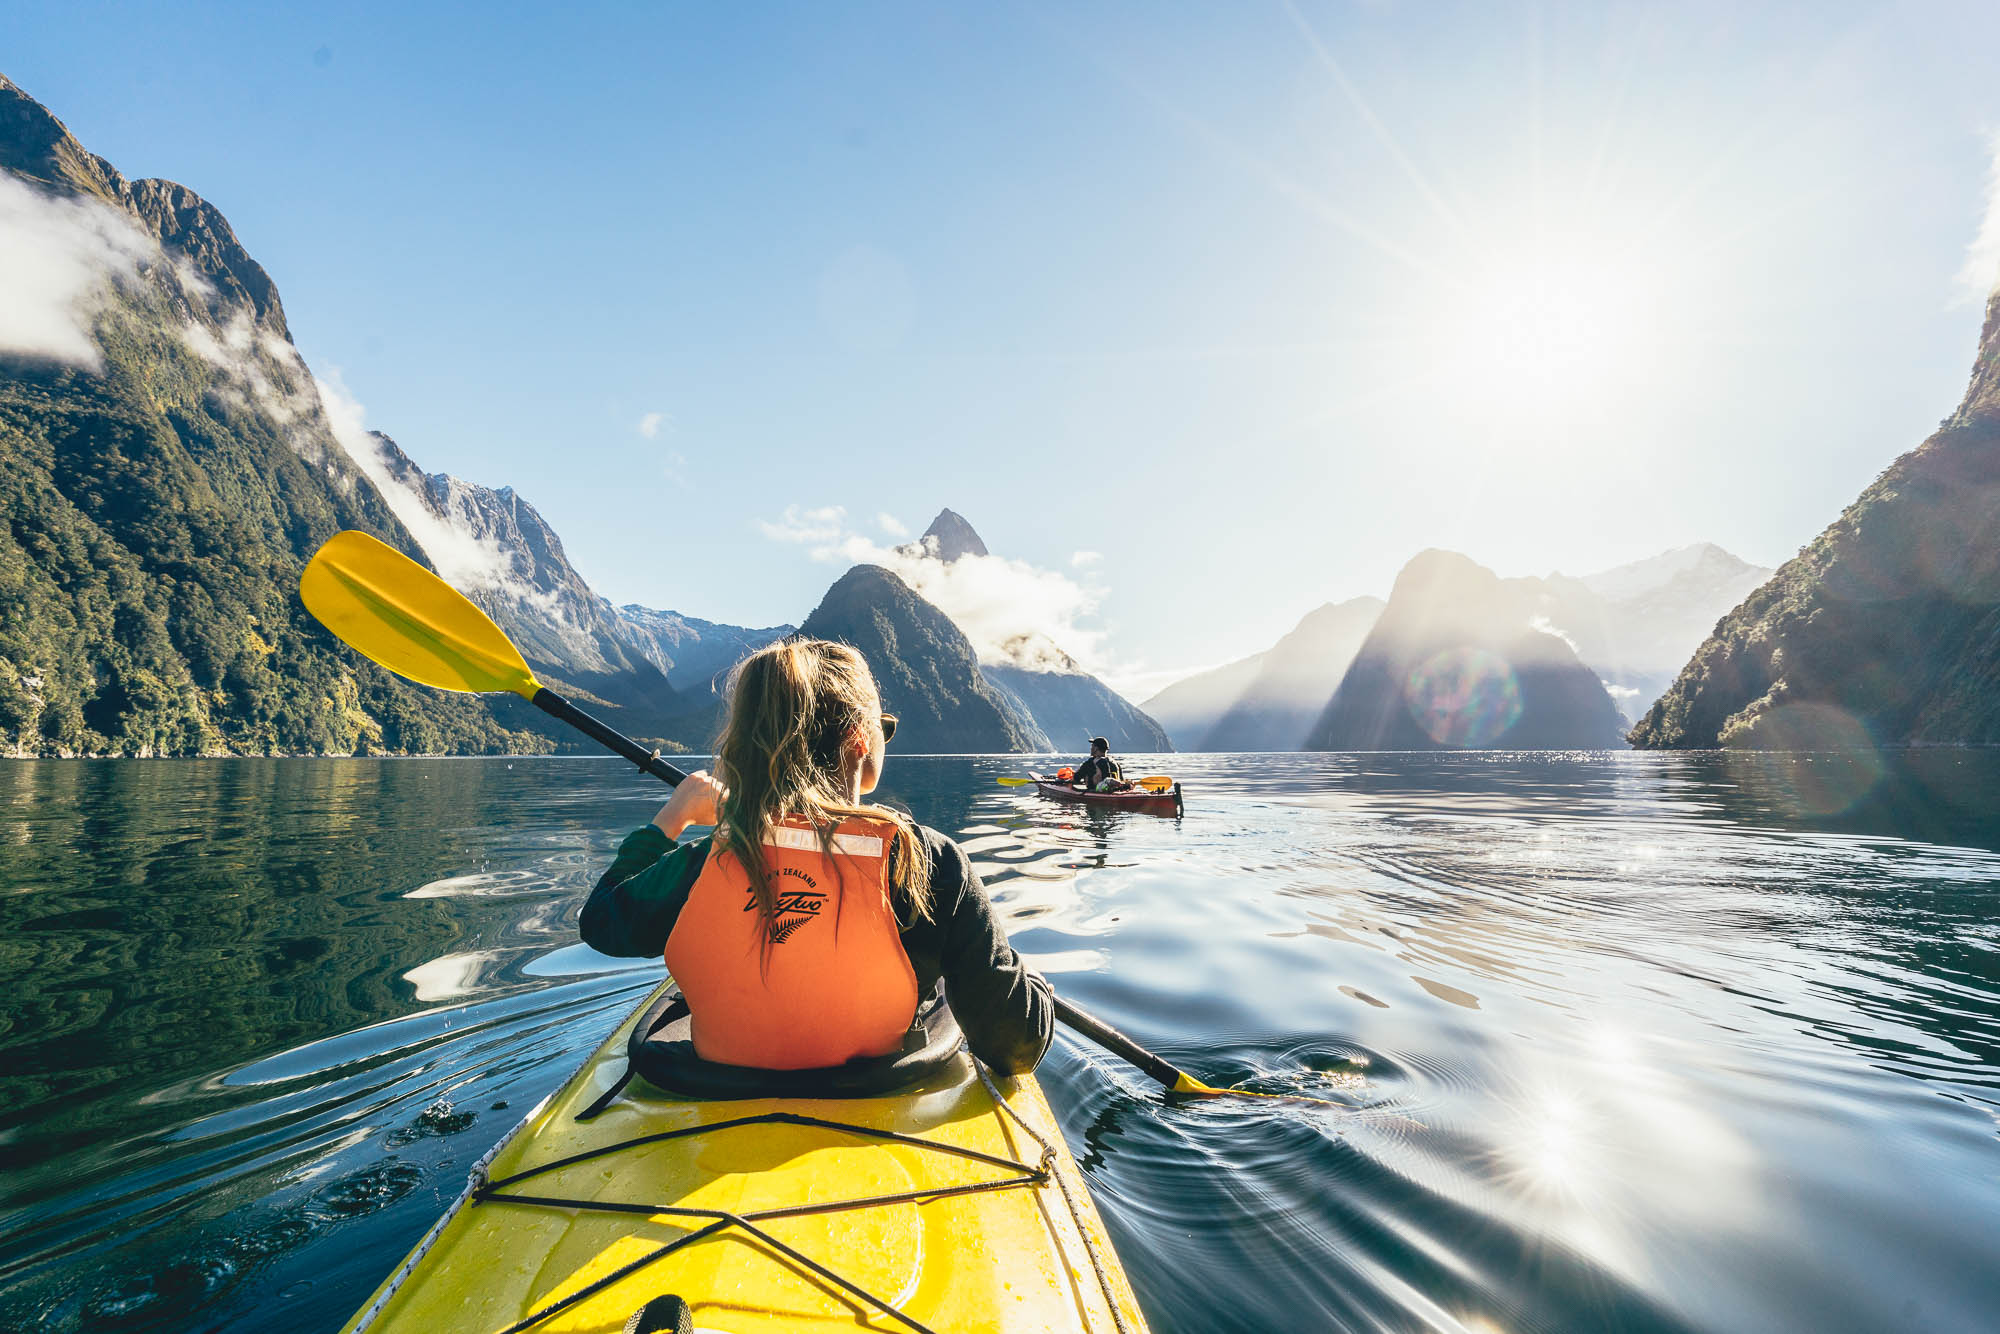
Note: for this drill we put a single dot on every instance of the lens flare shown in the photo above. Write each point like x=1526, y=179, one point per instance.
x=1841, y=765
x=1945, y=556
x=1463, y=696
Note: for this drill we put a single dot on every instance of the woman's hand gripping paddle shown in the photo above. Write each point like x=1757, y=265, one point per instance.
x=395, y=612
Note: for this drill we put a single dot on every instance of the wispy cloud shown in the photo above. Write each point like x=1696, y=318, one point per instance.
x=1083, y=559
x=891, y=525
x=259, y=367
x=57, y=259
x=464, y=561
x=61, y=257
x=1981, y=271
x=1549, y=627
x=823, y=525
x=650, y=424
x=1013, y=612
x=262, y=372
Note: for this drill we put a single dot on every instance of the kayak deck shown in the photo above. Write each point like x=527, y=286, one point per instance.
x=763, y=1217
x=1157, y=803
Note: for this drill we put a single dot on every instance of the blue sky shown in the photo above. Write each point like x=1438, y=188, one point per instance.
x=1255, y=300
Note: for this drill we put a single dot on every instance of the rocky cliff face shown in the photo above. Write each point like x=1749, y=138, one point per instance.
x=1455, y=662
x=637, y=659
x=923, y=665
x=166, y=466
x=950, y=537
x=1886, y=629
x=1279, y=705
x=517, y=572
x=695, y=654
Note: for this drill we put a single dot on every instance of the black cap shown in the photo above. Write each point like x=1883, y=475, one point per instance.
x=1100, y=741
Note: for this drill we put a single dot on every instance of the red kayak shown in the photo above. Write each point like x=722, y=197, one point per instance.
x=1138, y=799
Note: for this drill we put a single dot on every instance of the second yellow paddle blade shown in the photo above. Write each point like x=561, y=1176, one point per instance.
x=399, y=614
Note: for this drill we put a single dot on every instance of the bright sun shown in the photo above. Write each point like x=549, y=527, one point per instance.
x=1545, y=335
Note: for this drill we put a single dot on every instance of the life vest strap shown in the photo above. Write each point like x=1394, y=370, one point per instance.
x=795, y=839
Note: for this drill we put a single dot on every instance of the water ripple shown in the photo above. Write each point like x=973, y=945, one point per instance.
x=1564, y=1042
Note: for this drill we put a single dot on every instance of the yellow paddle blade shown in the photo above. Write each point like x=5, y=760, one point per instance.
x=1187, y=1083
x=1013, y=782
x=1157, y=783
x=395, y=612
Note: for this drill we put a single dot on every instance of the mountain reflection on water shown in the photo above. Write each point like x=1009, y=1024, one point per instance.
x=1614, y=1041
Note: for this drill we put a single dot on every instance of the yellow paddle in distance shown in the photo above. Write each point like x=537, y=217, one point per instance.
x=1162, y=783
x=395, y=612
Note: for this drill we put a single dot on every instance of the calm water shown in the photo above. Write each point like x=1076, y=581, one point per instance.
x=1618, y=1041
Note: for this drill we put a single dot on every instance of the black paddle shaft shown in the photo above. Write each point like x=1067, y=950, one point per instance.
x=549, y=702
x=1109, y=1038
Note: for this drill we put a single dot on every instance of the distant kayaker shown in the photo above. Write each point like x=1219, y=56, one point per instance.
x=824, y=945
x=1100, y=773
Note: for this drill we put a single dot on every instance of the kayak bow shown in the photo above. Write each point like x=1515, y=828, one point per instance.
x=934, y=1208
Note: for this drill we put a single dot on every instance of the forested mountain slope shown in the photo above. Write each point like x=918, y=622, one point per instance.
x=166, y=467
x=1886, y=628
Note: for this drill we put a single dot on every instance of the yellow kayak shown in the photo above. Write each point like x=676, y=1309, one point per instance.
x=932, y=1208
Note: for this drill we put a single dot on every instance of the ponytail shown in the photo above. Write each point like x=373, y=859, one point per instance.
x=793, y=706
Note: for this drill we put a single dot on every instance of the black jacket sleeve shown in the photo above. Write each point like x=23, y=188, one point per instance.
x=1006, y=1009
x=635, y=905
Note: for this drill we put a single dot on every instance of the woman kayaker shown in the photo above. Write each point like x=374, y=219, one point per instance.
x=822, y=945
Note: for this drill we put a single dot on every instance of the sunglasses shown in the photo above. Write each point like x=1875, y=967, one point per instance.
x=888, y=728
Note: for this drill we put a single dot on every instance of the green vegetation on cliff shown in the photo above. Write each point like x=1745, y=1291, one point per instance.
x=1886, y=629
x=148, y=575
x=164, y=473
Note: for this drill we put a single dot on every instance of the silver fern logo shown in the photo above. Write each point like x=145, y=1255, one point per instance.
x=794, y=907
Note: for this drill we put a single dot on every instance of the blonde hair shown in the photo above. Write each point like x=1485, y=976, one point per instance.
x=793, y=705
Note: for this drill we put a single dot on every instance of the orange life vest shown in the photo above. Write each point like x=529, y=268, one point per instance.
x=836, y=982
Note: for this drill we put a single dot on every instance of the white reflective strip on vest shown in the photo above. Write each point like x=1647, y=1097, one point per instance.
x=805, y=840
